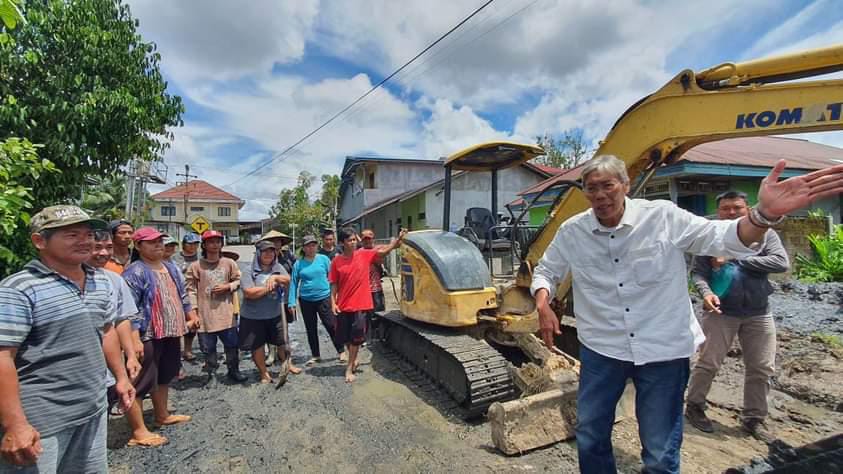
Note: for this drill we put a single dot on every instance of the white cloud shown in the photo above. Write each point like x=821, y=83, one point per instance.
x=450, y=129
x=584, y=62
x=221, y=39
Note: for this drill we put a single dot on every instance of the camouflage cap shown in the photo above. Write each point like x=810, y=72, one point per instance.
x=54, y=217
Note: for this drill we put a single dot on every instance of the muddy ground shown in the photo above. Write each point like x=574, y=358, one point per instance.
x=390, y=421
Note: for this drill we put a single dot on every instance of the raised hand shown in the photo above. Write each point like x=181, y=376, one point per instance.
x=778, y=198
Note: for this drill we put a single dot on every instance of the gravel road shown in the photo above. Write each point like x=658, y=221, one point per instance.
x=389, y=421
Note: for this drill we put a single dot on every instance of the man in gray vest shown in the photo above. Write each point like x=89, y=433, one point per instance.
x=735, y=299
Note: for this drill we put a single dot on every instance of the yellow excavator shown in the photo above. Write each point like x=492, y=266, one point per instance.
x=459, y=327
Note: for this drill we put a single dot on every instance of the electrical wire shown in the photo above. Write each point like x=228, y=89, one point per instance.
x=281, y=155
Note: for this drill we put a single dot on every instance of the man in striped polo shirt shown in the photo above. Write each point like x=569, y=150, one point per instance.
x=55, y=342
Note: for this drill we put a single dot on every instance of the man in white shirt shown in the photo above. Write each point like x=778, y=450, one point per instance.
x=631, y=302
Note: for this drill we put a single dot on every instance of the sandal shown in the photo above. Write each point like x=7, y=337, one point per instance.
x=173, y=420
x=151, y=442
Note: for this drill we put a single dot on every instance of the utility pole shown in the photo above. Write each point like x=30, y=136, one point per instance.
x=186, y=175
x=293, y=225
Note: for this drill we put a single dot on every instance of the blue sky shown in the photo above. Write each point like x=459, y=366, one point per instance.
x=256, y=76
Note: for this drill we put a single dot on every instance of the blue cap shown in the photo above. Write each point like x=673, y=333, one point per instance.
x=191, y=238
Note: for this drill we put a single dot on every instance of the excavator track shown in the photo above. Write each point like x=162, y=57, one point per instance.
x=470, y=371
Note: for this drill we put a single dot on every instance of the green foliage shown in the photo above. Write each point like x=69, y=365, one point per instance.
x=10, y=13
x=329, y=197
x=830, y=340
x=295, y=209
x=20, y=168
x=565, y=152
x=106, y=199
x=818, y=213
x=77, y=78
x=827, y=262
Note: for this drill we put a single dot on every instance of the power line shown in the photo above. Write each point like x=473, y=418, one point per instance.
x=378, y=85
x=417, y=71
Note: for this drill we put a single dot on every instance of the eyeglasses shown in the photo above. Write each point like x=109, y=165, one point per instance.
x=606, y=187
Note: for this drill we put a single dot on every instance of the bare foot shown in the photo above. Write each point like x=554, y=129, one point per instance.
x=173, y=420
x=350, y=377
x=266, y=380
x=343, y=356
x=294, y=370
x=356, y=367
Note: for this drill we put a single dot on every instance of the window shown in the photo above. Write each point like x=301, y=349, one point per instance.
x=196, y=208
x=422, y=216
x=224, y=211
x=370, y=180
x=168, y=211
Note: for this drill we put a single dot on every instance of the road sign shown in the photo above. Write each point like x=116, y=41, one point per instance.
x=200, y=225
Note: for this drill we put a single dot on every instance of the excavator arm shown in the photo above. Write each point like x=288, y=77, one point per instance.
x=726, y=101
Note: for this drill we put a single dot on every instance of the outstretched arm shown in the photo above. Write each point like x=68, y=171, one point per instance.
x=780, y=198
x=383, y=250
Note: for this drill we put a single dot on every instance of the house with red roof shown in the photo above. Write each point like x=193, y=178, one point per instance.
x=694, y=181
x=186, y=207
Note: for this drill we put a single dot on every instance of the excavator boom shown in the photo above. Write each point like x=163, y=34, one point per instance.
x=682, y=114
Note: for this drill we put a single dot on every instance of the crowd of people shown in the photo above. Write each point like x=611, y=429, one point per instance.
x=106, y=315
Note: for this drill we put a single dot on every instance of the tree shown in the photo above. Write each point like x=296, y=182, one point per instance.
x=295, y=208
x=19, y=167
x=329, y=197
x=77, y=78
x=566, y=152
x=106, y=199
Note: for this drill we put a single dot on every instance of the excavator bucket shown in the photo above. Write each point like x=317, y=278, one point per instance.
x=544, y=418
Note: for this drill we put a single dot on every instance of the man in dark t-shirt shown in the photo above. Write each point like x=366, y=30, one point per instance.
x=329, y=244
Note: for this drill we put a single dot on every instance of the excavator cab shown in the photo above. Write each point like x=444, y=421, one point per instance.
x=483, y=226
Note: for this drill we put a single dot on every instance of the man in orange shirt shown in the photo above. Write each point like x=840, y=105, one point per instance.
x=121, y=237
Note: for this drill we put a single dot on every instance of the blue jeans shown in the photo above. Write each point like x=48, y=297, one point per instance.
x=659, y=399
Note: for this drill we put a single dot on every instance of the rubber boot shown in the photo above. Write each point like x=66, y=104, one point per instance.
x=211, y=366
x=232, y=360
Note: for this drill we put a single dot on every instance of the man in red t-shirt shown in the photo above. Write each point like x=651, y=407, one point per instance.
x=351, y=297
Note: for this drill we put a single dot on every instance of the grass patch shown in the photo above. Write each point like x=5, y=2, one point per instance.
x=829, y=340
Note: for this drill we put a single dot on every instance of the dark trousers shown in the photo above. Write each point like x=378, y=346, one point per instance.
x=309, y=311
x=228, y=337
x=659, y=398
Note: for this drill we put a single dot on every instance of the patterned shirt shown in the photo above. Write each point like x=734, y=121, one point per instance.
x=171, y=322
x=57, y=330
x=148, y=296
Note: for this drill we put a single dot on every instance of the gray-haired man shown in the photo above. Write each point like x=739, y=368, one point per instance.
x=634, y=315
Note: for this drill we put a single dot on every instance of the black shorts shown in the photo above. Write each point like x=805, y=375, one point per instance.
x=161, y=364
x=351, y=328
x=254, y=333
x=378, y=301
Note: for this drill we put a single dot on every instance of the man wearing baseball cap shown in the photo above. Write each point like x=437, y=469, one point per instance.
x=189, y=253
x=170, y=247
x=211, y=283
x=56, y=339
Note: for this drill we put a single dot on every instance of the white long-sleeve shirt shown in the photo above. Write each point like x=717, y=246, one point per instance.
x=630, y=288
